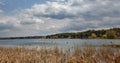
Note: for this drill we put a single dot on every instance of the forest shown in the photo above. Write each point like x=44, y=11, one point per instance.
x=112, y=33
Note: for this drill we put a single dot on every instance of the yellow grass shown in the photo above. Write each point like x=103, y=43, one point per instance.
x=55, y=55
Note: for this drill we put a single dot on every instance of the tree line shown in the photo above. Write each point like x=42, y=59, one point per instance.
x=112, y=33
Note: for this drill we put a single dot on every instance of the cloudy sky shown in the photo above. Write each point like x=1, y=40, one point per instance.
x=42, y=17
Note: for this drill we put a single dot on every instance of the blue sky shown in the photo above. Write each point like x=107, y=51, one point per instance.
x=43, y=17
x=14, y=5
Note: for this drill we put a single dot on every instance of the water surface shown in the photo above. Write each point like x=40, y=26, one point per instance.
x=61, y=43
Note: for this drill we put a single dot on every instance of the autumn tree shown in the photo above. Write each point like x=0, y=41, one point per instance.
x=93, y=35
x=111, y=34
x=104, y=36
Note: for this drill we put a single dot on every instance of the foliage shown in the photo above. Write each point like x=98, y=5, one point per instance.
x=93, y=35
x=111, y=34
x=104, y=36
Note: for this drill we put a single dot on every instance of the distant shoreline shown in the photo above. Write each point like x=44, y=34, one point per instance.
x=113, y=33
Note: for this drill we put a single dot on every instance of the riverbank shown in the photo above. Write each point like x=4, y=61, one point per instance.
x=55, y=55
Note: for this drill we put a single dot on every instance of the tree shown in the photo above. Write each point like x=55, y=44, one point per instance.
x=55, y=37
x=104, y=36
x=93, y=35
x=111, y=34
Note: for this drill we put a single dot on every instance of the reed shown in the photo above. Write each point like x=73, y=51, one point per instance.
x=56, y=55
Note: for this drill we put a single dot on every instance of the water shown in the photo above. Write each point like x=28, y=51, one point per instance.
x=61, y=43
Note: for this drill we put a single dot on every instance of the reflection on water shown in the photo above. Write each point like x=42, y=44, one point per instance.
x=61, y=43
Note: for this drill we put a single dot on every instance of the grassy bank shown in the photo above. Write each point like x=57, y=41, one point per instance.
x=55, y=55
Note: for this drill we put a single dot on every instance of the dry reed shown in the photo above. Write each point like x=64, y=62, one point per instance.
x=55, y=55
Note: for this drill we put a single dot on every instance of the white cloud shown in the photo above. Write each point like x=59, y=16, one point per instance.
x=56, y=16
x=1, y=11
x=58, y=10
x=38, y=20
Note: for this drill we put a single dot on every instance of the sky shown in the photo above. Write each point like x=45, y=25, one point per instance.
x=46, y=17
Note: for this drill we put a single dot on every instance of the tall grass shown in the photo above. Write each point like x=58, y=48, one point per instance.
x=56, y=55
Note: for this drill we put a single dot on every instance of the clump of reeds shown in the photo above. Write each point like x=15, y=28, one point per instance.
x=55, y=55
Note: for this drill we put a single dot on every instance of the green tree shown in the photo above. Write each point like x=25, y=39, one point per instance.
x=93, y=35
x=104, y=36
